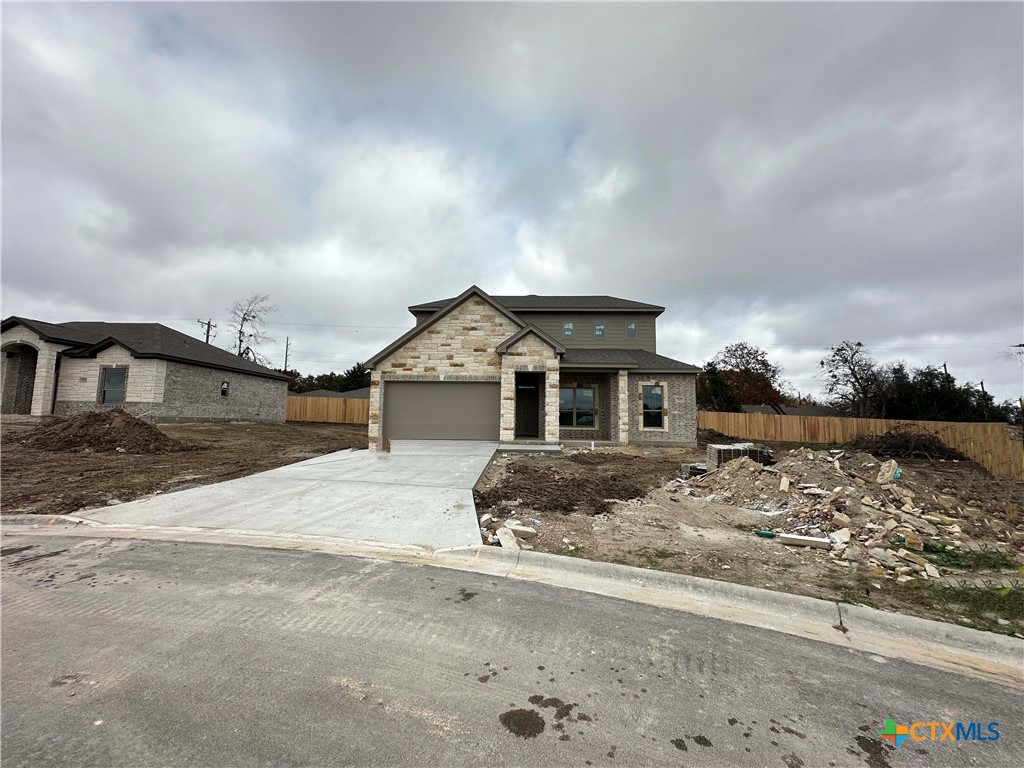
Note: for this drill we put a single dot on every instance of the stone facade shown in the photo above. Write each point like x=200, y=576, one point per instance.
x=458, y=347
x=46, y=361
x=603, y=417
x=80, y=378
x=529, y=354
x=622, y=411
x=680, y=403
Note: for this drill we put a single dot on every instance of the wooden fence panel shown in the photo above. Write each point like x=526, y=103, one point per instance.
x=988, y=443
x=328, y=410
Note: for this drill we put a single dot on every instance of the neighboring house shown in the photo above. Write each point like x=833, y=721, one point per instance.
x=352, y=394
x=791, y=410
x=148, y=369
x=532, y=368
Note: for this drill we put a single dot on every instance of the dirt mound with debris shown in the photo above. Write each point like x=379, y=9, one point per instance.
x=707, y=437
x=113, y=431
x=588, y=482
x=894, y=518
x=904, y=443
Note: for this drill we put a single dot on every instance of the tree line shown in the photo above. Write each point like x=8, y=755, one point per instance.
x=855, y=384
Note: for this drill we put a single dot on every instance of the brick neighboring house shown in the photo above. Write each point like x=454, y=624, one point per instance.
x=148, y=369
x=532, y=368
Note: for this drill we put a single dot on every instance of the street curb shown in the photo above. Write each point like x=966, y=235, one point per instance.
x=936, y=644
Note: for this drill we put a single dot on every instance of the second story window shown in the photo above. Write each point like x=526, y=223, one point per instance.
x=598, y=330
x=567, y=330
x=631, y=329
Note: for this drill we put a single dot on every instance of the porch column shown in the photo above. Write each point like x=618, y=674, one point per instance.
x=623, y=406
x=507, y=416
x=551, y=402
x=45, y=382
x=374, y=425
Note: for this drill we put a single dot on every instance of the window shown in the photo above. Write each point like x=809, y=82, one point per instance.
x=567, y=330
x=576, y=407
x=598, y=330
x=113, y=381
x=654, y=406
x=631, y=329
x=224, y=388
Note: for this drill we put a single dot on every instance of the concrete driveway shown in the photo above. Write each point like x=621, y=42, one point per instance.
x=420, y=494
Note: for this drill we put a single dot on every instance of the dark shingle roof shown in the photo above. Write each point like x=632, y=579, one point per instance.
x=143, y=340
x=793, y=410
x=354, y=394
x=624, y=358
x=553, y=303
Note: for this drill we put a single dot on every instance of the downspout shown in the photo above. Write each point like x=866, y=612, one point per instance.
x=56, y=379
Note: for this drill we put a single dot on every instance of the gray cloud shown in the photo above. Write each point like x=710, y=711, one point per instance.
x=790, y=175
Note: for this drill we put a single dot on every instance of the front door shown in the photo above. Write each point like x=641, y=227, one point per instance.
x=528, y=405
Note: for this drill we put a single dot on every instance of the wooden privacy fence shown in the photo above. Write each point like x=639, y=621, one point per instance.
x=331, y=410
x=989, y=444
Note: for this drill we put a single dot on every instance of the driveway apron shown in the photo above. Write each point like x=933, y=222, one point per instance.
x=421, y=493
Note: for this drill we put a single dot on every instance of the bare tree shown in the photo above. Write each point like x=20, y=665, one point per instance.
x=852, y=379
x=248, y=325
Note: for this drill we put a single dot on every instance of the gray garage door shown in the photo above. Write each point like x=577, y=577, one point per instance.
x=441, y=410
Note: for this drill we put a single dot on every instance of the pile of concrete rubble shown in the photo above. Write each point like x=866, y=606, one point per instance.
x=510, y=533
x=860, y=509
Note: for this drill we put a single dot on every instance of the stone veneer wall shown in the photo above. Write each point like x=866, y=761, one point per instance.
x=79, y=385
x=529, y=354
x=42, y=390
x=458, y=347
x=601, y=382
x=680, y=401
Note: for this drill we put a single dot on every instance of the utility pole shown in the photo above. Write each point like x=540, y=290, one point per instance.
x=287, y=344
x=209, y=326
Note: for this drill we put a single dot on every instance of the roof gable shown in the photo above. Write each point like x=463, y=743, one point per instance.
x=526, y=331
x=440, y=314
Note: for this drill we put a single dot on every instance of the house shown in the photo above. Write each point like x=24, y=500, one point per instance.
x=791, y=410
x=362, y=393
x=151, y=371
x=532, y=368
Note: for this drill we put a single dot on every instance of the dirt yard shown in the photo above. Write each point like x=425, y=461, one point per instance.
x=625, y=505
x=40, y=481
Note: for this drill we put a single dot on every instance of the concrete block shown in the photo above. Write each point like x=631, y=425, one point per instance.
x=524, y=532
x=793, y=540
x=507, y=539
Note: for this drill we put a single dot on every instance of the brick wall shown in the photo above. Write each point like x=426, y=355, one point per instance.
x=601, y=382
x=192, y=392
x=680, y=400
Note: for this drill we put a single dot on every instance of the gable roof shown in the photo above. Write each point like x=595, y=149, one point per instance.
x=526, y=331
x=536, y=303
x=438, y=315
x=143, y=340
x=363, y=393
x=639, y=359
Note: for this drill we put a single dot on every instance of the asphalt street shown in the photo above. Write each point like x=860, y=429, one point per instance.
x=138, y=653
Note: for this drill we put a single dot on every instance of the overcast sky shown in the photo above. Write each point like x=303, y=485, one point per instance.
x=787, y=175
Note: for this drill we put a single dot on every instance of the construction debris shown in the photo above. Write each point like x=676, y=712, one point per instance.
x=507, y=539
x=805, y=541
x=904, y=442
x=720, y=453
x=852, y=504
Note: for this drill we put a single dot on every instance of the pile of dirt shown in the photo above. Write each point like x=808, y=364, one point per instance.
x=588, y=482
x=109, y=431
x=902, y=442
x=892, y=518
x=707, y=437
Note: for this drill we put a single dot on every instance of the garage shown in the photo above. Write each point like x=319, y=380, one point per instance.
x=441, y=410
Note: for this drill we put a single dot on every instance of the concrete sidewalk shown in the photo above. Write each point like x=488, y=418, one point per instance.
x=419, y=494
